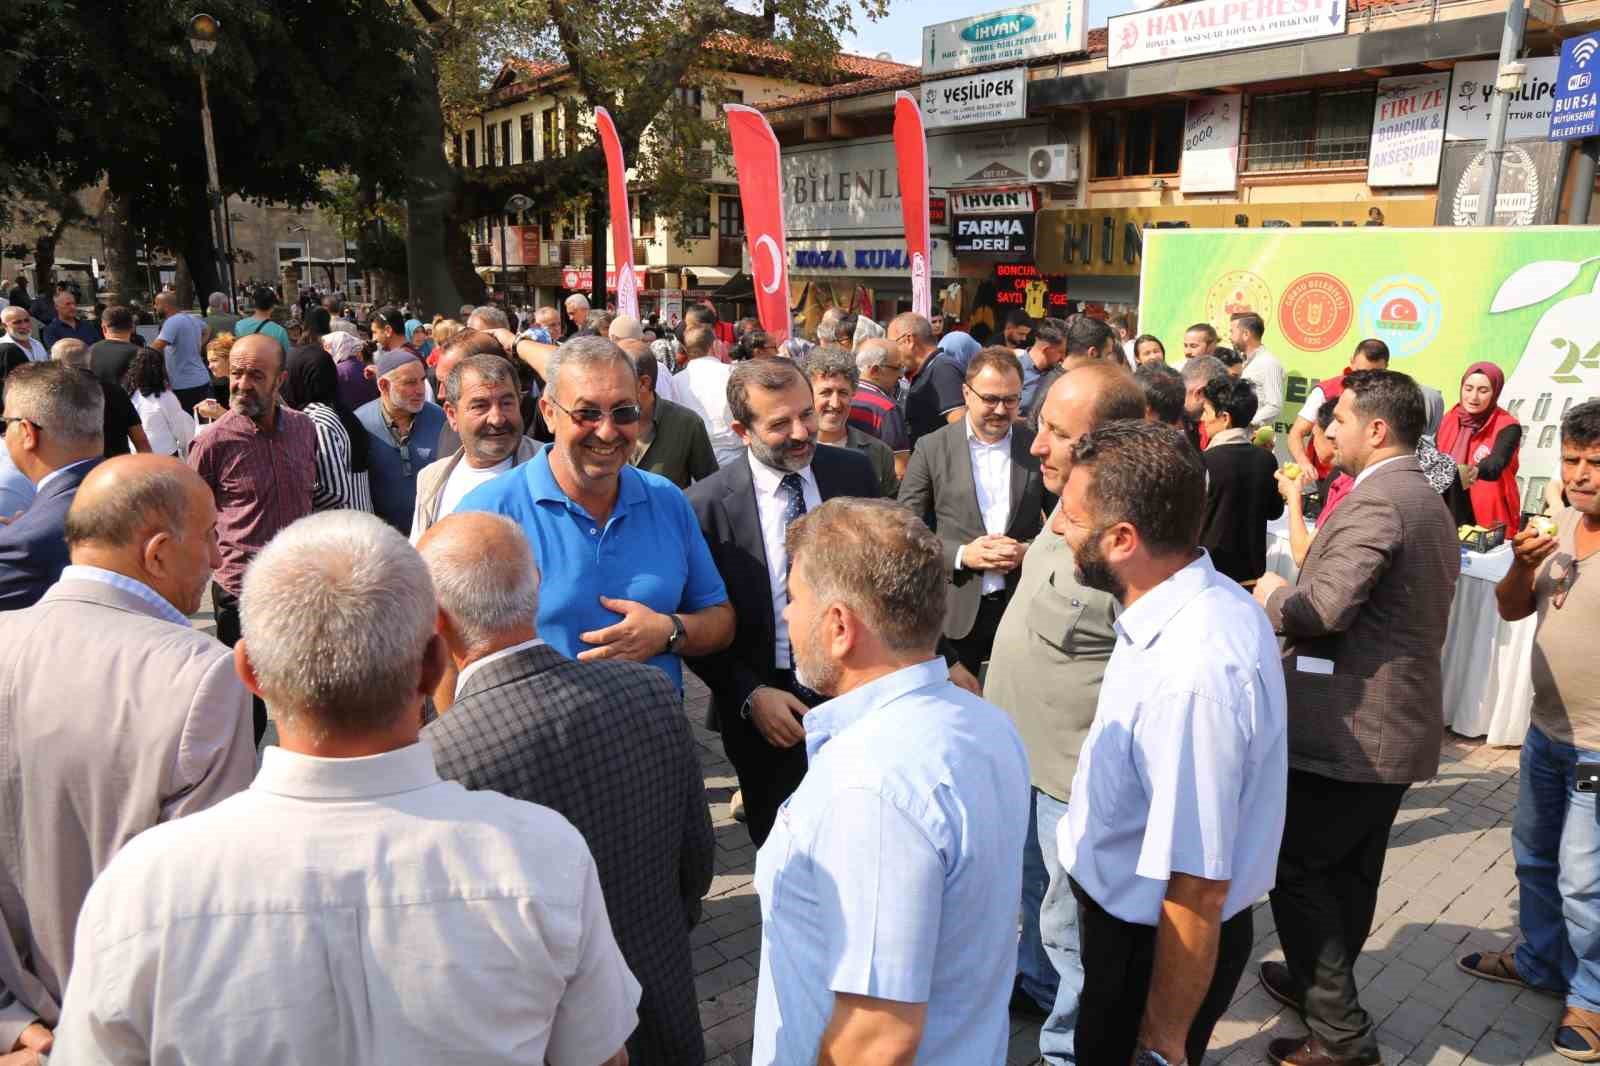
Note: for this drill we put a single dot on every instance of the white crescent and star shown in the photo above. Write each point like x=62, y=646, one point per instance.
x=766, y=241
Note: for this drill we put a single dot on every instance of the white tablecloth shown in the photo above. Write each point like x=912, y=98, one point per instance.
x=1488, y=683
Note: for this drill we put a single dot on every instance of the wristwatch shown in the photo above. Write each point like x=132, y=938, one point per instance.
x=675, y=641
x=1146, y=1057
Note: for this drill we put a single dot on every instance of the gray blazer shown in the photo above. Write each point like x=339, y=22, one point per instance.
x=607, y=745
x=1373, y=600
x=940, y=487
x=112, y=719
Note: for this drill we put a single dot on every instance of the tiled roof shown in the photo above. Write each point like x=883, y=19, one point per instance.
x=866, y=87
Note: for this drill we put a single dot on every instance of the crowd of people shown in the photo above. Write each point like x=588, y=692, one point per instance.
x=1022, y=722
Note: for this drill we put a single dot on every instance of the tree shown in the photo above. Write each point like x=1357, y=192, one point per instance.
x=299, y=89
x=630, y=56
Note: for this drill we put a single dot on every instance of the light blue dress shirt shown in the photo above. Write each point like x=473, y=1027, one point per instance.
x=894, y=870
x=16, y=491
x=1185, y=769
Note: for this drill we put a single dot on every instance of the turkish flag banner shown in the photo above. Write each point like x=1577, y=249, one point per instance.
x=911, y=160
x=621, y=225
x=756, y=160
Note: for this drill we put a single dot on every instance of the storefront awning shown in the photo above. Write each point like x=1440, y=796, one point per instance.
x=739, y=287
x=708, y=276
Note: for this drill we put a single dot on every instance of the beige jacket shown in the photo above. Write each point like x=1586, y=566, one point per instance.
x=431, y=480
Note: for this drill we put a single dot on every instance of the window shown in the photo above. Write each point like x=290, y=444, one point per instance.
x=698, y=221
x=647, y=217
x=472, y=148
x=547, y=226
x=1309, y=130
x=455, y=145
x=689, y=98
x=730, y=217
x=489, y=146
x=550, y=119
x=505, y=143
x=1130, y=144
x=526, y=123
x=571, y=123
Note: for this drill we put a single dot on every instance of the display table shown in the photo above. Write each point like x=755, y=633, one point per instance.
x=1488, y=683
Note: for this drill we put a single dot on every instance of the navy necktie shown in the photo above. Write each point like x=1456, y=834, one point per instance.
x=796, y=506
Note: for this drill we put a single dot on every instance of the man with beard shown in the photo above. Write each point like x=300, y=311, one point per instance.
x=481, y=402
x=1179, y=792
x=626, y=573
x=260, y=460
x=403, y=433
x=978, y=487
x=834, y=378
x=744, y=510
x=888, y=887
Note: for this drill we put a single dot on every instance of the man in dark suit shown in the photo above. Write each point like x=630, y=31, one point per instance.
x=1364, y=626
x=604, y=743
x=54, y=432
x=978, y=487
x=744, y=510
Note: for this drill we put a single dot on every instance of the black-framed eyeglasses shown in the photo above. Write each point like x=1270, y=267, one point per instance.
x=624, y=414
x=5, y=423
x=996, y=401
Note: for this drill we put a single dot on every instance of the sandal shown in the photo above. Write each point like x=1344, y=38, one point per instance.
x=1578, y=1036
x=1498, y=966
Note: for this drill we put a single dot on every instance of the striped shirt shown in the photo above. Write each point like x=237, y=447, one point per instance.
x=338, y=488
x=262, y=482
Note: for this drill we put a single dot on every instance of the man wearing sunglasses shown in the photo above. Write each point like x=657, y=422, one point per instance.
x=627, y=574
x=403, y=432
x=978, y=487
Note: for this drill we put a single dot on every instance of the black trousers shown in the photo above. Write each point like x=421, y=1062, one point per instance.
x=226, y=607
x=972, y=650
x=187, y=398
x=1118, y=958
x=767, y=775
x=1335, y=834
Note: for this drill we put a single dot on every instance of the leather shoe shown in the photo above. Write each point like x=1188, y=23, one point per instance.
x=1279, y=984
x=1308, y=1051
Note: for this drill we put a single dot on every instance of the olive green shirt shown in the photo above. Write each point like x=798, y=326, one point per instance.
x=1050, y=654
x=879, y=455
x=680, y=450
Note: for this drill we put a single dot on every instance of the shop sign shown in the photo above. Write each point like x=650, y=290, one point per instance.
x=1005, y=237
x=1472, y=97
x=1109, y=242
x=1021, y=285
x=1408, y=119
x=1022, y=32
x=1211, y=144
x=841, y=187
x=1528, y=194
x=994, y=96
x=581, y=279
x=871, y=257
x=1575, y=111
x=991, y=201
x=1205, y=27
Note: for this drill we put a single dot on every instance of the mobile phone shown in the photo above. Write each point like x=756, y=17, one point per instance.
x=1589, y=777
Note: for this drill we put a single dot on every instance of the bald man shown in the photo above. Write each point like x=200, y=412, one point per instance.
x=144, y=723
x=532, y=724
x=182, y=343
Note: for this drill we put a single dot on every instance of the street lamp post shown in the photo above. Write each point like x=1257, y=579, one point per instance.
x=203, y=32
x=305, y=233
x=515, y=206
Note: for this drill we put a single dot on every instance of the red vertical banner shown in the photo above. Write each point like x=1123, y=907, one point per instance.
x=911, y=160
x=621, y=225
x=758, y=163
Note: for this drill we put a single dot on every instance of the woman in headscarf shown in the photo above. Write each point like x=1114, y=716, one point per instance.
x=866, y=329
x=354, y=387
x=959, y=346
x=417, y=335
x=1483, y=438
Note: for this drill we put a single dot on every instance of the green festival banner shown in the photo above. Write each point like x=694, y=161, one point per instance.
x=1527, y=299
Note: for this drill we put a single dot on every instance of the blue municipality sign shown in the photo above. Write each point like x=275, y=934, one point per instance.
x=1575, y=111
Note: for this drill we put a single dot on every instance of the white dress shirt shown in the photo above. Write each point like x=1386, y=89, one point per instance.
x=1371, y=468
x=357, y=911
x=504, y=653
x=30, y=346
x=991, y=473
x=771, y=501
x=702, y=387
x=1265, y=371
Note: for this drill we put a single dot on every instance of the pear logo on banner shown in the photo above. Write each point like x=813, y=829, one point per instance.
x=621, y=225
x=911, y=160
x=756, y=160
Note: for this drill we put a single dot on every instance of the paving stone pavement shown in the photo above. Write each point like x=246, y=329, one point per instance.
x=1449, y=887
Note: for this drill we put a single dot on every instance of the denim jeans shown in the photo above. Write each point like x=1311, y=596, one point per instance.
x=1047, y=955
x=1556, y=841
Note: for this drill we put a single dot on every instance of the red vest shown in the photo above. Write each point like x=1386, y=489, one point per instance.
x=1492, y=501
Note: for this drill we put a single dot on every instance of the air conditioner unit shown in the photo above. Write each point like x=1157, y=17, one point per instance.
x=1053, y=162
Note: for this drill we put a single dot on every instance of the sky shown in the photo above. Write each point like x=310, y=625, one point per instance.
x=900, y=32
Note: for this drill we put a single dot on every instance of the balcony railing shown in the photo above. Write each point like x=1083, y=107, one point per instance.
x=575, y=253
x=483, y=255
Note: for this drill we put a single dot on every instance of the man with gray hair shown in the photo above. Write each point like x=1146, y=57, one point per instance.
x=1198, y=373
x=19, y=332
x=828, y=326
x=123, y=431
x=888, y=888
x=672, y=439
x=833, y=376
x=532, y=724
x=218, y=319
x=875, y=407
x=482, y=405
x=402, y=434
x=169, y=732
x=936, y=396
x=54, y=418
x=627, y=573
x=390, y=916
x=546, y=328
x=577, y=306
x=488, y=317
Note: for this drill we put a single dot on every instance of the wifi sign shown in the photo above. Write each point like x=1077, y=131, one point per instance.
x=1575, y=110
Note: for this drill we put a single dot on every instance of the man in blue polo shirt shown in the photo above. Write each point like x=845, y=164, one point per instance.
x=625, y=571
